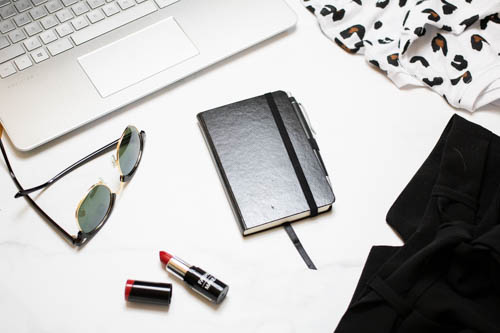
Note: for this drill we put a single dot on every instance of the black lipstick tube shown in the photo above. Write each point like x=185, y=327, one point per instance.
x=200, y=281
x=148, y=292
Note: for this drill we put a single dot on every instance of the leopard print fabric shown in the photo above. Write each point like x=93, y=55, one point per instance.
x=449, y=46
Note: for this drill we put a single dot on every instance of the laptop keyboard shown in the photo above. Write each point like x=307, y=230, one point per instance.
x=32, y=31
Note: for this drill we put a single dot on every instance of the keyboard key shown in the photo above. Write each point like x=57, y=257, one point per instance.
x=38, y=12
x=6, y=70
x=23, y=62
x=68, y=3
x=79, y=23
x=40, y=55
x=53, y=6
x=10, y=53
x=23, y=5
x=32, y=43
x=4, y=2
x=48, y=36
x=6, y=26
x=22, y=19
x=95, y=16
x=113, y=23
x=95, y=3
x=64, y=15
x=110, y=9
x=59, y=46
x=7, y=11
x=165, y=3
x=80, y=8
x=38, y=2
x=33, y=29
x=49, y=22
x=64, y=30
x=126, y=4
x=17, y=36
x=3, y=42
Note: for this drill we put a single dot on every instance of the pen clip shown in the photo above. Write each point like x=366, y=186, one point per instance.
x=306, y=116
x=310, y=133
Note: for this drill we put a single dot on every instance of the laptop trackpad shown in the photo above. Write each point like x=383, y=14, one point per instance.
x=138, y=56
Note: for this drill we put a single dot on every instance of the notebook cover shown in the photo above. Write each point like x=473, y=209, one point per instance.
x=254, y=165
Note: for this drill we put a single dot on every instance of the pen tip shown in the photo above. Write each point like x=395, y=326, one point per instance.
x=165, y=257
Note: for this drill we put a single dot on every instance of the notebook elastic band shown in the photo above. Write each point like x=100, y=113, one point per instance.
x=300, y=176
x=293, y=155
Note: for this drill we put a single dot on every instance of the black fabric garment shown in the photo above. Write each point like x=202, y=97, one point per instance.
x=446, y=277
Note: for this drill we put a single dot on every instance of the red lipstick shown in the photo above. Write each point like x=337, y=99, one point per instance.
x=165, y=257
x=200, y=281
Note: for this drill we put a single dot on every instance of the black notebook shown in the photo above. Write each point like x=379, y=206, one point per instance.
x=268, y=161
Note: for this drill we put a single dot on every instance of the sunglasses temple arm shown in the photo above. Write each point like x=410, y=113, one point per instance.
x=71, y=168
x=35, y=206
x=64, y=233
x=12, y=174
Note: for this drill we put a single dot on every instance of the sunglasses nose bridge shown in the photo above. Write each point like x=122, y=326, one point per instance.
x=122, y=185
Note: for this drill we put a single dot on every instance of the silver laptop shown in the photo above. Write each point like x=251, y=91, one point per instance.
x=64, y=63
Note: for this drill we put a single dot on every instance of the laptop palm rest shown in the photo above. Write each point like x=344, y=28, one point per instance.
x=137, y=57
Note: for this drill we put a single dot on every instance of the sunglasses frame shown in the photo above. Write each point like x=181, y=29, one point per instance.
x=82, y=237
x=123, y=179
x=142, y=136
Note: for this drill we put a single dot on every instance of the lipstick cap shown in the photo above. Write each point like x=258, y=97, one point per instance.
x=148, y=292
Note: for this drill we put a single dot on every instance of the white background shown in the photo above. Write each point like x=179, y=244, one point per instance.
x=373, y=139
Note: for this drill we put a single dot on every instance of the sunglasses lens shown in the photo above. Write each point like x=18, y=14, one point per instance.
x=94, y=208
x=129, y=151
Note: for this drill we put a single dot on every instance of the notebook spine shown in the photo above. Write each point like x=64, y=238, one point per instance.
x=222, y=174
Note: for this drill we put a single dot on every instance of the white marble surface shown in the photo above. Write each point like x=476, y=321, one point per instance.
x=373, y=138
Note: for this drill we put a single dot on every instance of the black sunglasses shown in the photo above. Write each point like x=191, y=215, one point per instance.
x=94, y=209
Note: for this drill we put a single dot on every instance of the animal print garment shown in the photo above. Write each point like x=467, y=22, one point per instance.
x=450, y=46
